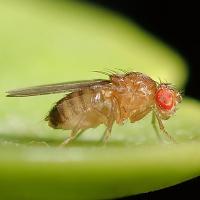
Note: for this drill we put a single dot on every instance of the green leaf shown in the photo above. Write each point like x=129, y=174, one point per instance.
x=44, y=42
x=132, y=162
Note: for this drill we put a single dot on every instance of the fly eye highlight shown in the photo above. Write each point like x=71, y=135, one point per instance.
x=164, y=99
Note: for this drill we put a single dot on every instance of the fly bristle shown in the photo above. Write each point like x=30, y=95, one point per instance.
x=111, y=72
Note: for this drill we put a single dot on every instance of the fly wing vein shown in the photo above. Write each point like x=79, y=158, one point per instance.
x=56, y=88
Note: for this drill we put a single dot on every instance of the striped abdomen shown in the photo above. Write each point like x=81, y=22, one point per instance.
x=79, y=110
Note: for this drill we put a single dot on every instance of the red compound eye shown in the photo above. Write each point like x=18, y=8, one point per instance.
x=164, y=98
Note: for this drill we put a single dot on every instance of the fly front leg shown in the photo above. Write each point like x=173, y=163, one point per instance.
x=153, y=121
x=162, y=128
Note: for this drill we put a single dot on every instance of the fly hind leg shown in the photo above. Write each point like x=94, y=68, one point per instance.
x=73, y=135
x=75, y=131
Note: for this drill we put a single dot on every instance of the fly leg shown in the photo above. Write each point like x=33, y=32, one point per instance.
x=107, y=132
x=111, y=119
x=153, y=121
x=115, y=114
x=162, y=128
x=74, y=134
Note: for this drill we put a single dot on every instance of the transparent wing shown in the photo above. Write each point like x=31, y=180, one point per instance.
x=56, y=88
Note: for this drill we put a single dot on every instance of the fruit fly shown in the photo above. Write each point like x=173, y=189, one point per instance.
x=127, y=95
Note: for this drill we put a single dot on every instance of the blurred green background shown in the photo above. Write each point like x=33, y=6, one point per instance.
x=45, y=42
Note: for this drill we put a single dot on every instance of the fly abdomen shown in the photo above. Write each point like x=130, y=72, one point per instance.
x=55, y=117
x=65, y=114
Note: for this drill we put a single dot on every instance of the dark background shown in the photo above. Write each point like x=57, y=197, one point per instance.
x=177, y=24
